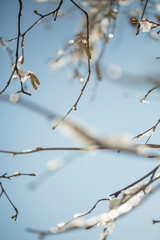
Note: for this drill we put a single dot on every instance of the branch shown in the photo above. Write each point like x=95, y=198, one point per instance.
x=17, y=174
x=133, y=149
x=17, y=47
x=155, y=221
x=16, y=210
x=19, y=35
x=144, y=9
x=149, y=132
x=117, y=208
x=87, y=50
x=143, y=100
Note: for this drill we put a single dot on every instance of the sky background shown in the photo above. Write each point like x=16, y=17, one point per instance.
x=115, y=109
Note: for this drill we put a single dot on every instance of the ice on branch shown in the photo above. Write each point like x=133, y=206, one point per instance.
x=146, y=25
x=21, y=59
x=20, y=73
x=145, y=101
x=23, y=75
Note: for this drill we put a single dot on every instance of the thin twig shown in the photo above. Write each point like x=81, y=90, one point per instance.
x=85, y=149
x=152, y=89
x=152, y=129
x=87, y=225
x=19, y=35
x=74, y=107
x=144, y=9
x=134, y=183
x=17, y=47
x=16, y=210
x=17, y=174
x=155, y=221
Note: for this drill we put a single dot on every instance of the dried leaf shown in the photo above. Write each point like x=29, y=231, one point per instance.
x=34, y=81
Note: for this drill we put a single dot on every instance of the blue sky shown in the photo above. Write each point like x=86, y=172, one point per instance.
x=116, y=109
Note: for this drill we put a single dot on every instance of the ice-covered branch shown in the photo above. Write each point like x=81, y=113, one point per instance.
x=130, y=198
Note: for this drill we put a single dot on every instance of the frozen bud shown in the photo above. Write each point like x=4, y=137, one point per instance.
x=147, y=189
x=35, y=11
x=144, y=101
x=21, y=59
x=146, y=25
x=74, y=108
x=15, y=218
x=14, y=97
x=81, y=79
x=71, y=42
x=110, y=35
x=60, y=225
x=17, y=174
x=32, y=174
x=60, y=52
x=38, y=148
x=158, y=175
x=84, y=41
x=3, y=44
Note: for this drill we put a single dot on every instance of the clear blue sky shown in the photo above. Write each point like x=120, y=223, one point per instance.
x=116, y=109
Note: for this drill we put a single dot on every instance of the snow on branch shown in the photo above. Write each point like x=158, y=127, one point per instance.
x=120, y=203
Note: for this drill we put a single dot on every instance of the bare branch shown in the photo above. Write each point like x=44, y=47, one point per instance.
x=16, y=210
x=74, y=107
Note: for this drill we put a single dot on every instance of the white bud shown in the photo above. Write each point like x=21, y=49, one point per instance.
x=71, y=41
x=14, y=97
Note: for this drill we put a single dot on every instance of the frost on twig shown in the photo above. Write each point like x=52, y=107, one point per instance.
x=143, y=100
x=119, y=205
x=148, y=132
x=147, y=25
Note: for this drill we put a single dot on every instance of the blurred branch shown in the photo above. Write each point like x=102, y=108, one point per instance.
x=155, y=221
x=36, y=108
x=10, y=52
